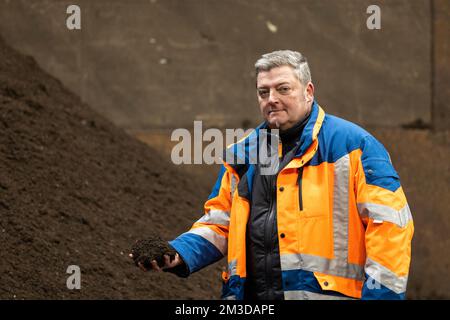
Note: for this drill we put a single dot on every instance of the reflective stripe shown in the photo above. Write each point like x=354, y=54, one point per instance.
x=341, y=212
x=220, y=242
x=232, y=267
x=216, y=217
x=386, y=277
x=307, y=295
x=233, y=184
x=322, y=265
x=385, y=213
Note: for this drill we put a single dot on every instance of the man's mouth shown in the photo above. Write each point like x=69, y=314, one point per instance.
x=273, y=111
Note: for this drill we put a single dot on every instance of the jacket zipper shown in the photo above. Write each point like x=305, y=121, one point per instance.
x=268, y=230
x=299, y=183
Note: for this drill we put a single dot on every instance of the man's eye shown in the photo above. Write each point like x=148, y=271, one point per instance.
x=263, y=93
x=283, y=89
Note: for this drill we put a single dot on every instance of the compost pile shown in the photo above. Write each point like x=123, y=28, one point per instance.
x=77, y=190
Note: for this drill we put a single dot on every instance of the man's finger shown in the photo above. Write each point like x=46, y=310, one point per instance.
x=141, y=266
x=176, y=260
x=172, y=261
x=167, y=263
x=155, y=265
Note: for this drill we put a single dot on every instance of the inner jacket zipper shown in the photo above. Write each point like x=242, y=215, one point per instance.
x=268, y=230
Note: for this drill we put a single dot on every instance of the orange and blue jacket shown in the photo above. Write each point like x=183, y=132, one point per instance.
x=349, y=237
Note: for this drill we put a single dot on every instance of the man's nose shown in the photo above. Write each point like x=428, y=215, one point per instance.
x=273, y=96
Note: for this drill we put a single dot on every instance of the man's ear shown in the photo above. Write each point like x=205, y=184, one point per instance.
x=309, y=92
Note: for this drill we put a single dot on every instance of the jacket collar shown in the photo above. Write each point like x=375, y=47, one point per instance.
x=312, y=128
x=239, y=152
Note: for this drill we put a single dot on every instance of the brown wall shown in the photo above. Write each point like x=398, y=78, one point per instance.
x=440, y=64
x=374, y=77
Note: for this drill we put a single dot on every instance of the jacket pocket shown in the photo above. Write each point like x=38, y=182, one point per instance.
x=346, y=286
x=300, y=191
x=314, y=191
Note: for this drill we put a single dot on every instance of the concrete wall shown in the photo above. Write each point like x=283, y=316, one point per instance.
x=158, y=64
x=441, y=65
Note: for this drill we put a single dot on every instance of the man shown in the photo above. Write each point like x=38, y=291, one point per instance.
x=332, y=222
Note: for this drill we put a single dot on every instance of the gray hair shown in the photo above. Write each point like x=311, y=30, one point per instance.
x=290, y=58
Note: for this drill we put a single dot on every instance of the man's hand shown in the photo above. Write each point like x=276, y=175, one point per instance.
x=169, y=262
x=154, y=254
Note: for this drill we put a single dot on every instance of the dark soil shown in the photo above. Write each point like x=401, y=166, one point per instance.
x=76, y=190
x=152, y=248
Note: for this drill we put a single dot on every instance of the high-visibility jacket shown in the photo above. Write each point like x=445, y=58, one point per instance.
x=345, y=230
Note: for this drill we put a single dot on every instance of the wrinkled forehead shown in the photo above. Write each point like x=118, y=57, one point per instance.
x=276, y=76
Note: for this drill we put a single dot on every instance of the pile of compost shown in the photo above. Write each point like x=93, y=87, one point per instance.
x=77, y=190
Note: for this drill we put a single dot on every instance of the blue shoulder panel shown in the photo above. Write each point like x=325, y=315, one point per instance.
x=337, y=137
x=377, y=165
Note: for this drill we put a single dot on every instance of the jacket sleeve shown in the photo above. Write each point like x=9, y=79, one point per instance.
x=385, y=213
x=207, y=240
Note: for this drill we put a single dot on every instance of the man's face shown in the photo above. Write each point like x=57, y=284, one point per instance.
x=283, y=100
